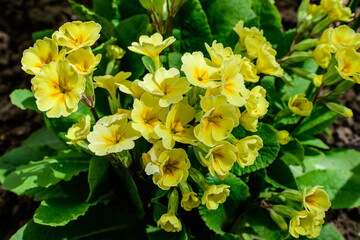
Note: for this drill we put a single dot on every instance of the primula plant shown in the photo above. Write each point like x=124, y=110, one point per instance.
x=187, y=120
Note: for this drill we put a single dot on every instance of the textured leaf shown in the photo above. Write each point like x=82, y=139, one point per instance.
x=292, y=153
x=341, y=185
x=279, y=175
x=47, y=172
x=175, y=60
x=226, y=212
x=24, y=99
x=98, y=178
x=328, y=232
x=224, y=14
x=267, y=153
x=97, y=221
x=195, y=29
x=312, y=141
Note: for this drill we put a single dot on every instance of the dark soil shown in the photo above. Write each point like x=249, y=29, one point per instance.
x=20, y=18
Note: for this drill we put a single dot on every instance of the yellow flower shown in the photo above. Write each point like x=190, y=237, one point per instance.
x=221, y=158
x=233, y=84
x=132, y=88
x=84, y=61
x=218, y=53
x=249, y=122
x=79, y=130
x=299, y=104
x=58, y=89
x=317, y=80
x=323, y=54
x=266, y=63
x=169, y=222
x=198, y=72
x=167, y=84
x=114, y=138
x=189, y=201
x=336, y=10
x=214, y=195
x=248, y=150
x=314, y=9
x=43, y=52
x=218, y=121
x=283, y=137
x=348, y=64
x=147, y=113
x=177, y=127
x=248, y=70
x=77, y=34
x=343, y=36
x=150, y=159
x=306, y=224
x=174, y=166
x=316, y=200
x=120, y=114
x=256, y=104
x=110, y=83
x=151, y=46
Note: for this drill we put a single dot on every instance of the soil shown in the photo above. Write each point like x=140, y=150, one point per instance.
x=20, y=18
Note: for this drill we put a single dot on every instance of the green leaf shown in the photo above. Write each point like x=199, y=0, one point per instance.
x=109, y=9
x=226, y=212
x=195, y=29
x=279, y=175
x=292, y=153
x=267, y=154
x=99, y=220
x=148, y=63
x=270, y=20
x=312, y=141
x=321, y=117
x=41, y=143
x=107, y=29
x=341, y=185
x=130, y=8
x=156, y=233
x=328, y=232
x=224, y=14
x=175, y=60
x=101, y=67
x=46, y=172
x=24, y=99
x=42, y=34
x=61, y=125
x=98, y=178
x=260, y=221
x=59, y=212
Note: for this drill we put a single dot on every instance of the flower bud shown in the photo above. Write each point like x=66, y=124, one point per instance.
x=292, y=195
x=340, y=109
x=279, y=220
x=115, y=52
x=320, y=26
x=299, y=104
x=317, y=80
x=283, y=137
x=306, y=44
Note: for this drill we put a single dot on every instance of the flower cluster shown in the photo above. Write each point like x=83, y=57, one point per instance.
x=332, y=8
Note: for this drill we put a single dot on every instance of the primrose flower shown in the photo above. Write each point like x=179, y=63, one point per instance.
x=84, y=61
x=266, y=63
x=150, y=159
x=132, y=88
x=343, y=36
x=323, y=54
x=336, y=10
x=177, y=127
x=147, y=113
x=169, y=222
x=299, y=104
x=283, y=137
x=198, y=72
x=151, y=46
x=248, y=70
x=58, y=89
x=79, y=130
x=174, y=166
x=167, y=84
x=218, y=53
x=233, y=86
x=189, y=201
x=316, y=200
x=43, y=52
x=214, y=195
x=110, y=83
x=221, y=158
x=120, y=114
x=256, y=104
x=77, y=34
x=114, y=138
x=248, y=121
x=306, y=224
x=218, y=121
x=248, y=150
x=348, y=64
